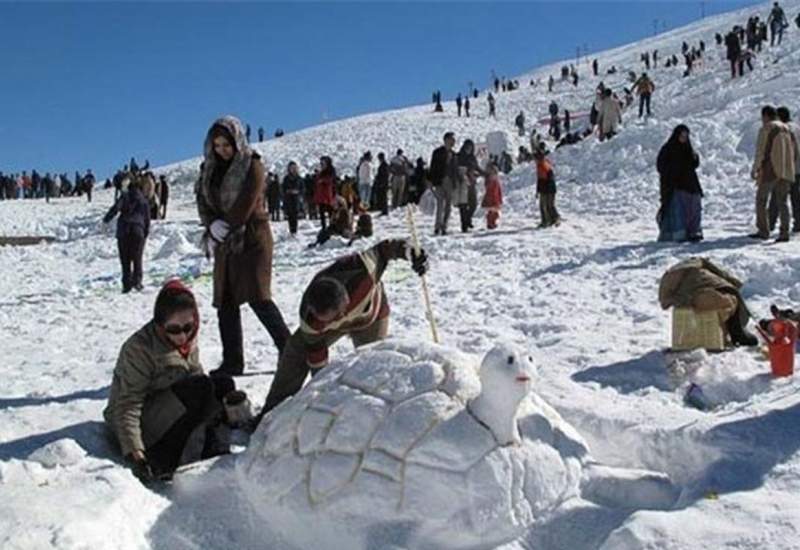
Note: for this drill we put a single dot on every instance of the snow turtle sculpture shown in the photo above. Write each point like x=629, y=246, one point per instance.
x=417, y=446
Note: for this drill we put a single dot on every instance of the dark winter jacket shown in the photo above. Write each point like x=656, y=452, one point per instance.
x=677, y=167
x=443, y=165
x=134, y=214
x=292, y=185
x=382, y=177
x=733, y=46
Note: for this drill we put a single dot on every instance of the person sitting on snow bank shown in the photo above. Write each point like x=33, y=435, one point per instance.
x=344, y=299
x=160, y=396
x=700, y=284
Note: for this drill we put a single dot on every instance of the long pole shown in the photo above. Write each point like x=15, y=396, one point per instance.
x=425, y=294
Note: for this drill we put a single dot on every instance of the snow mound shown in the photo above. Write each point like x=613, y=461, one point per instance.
x=382, y=447
x=176, y=245
x=63, y=452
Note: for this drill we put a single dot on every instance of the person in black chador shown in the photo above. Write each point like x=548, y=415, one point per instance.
x=680, y=215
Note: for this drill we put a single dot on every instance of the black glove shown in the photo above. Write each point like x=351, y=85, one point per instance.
x=141, y=469
x=419, y=262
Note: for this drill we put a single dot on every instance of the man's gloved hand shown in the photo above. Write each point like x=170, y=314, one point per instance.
x=419, y=261
x=219, y=229
x=139, y=466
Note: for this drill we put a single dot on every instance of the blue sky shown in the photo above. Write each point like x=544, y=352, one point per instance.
x=87, y=85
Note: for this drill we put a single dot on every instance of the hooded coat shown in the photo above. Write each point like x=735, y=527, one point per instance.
x=140, y=408
x=234, y=192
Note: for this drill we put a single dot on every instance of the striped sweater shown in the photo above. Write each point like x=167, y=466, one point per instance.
x=361, y=275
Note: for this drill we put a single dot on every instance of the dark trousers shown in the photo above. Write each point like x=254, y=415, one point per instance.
x=794, y=199
x=202, y=398
x=230, y=332
x=644, y=100
x=291, y=212
x=463, y=214
x=131, y=248
x=293, y=366
x=275, y=212
x=325, y=214
x=89, y=193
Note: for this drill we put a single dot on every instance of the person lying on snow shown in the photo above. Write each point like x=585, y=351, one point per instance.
x=161, y=403
x=344, y=299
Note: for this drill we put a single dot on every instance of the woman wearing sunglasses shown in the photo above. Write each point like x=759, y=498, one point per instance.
x=159, y=394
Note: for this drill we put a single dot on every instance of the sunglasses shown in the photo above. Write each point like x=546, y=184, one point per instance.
x=188, y=328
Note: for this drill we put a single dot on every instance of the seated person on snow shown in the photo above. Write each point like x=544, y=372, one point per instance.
x=341, y=223
x=363, y=228
x=344, y=299
x=160, y=395
x=699, y=284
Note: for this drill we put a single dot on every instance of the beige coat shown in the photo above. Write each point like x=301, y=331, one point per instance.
x=609, y=115
x=141, y=408
x=702, y=285
x=776, y=151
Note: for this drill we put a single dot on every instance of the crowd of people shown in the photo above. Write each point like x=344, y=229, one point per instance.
x=154, y=411
x=47, y=186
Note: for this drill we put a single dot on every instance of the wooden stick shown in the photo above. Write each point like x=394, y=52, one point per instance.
x=425, y=294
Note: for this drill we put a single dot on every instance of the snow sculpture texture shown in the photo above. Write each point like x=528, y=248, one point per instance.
x=415, y=445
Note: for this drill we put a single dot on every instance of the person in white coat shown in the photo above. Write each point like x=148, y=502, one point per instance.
x=364, y=174
x=609, y=115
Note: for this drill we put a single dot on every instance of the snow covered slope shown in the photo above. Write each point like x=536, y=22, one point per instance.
x=582, y=298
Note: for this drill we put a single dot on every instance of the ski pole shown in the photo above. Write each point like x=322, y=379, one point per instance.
x=426, y=296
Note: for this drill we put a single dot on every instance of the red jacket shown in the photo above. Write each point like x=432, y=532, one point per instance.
x=494, y=194
x=324, y=190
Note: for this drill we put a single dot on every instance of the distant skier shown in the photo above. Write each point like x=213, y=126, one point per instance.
x=567, y=121
x=260, y=133
x=550, y=82
x=466, y=106
x=247, y=133
x=595, y=67
x=491, y=100
x=459, y=104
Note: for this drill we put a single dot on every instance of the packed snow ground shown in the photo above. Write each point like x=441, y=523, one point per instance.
x=582, y=298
